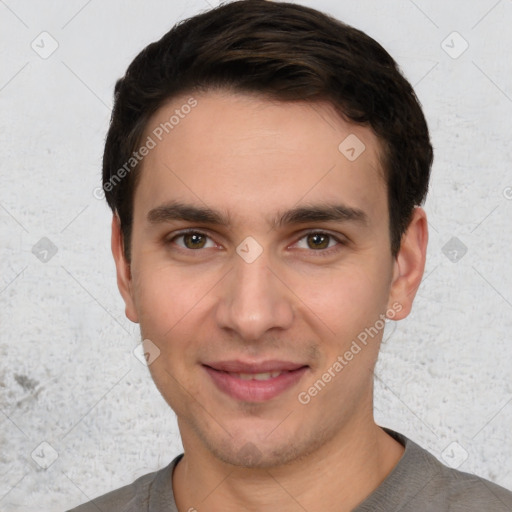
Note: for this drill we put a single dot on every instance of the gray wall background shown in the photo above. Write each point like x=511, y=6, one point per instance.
x=79, y=414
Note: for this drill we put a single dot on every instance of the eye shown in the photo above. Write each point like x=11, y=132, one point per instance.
x=192, y=240
x=318, y=241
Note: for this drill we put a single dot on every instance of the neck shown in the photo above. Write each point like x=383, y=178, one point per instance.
x=338, y=476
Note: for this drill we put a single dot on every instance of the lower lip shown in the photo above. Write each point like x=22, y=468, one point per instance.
x=254, y=390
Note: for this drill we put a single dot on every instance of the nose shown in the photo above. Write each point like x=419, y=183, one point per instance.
x=254, y=300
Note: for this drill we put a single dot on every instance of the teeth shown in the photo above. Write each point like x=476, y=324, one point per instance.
x=257, y=376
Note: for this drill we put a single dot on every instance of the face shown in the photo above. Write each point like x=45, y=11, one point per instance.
x=260, y=259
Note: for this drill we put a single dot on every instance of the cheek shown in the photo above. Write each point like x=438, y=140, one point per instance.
x=165, y=296
x=169, y=303
x=174, y=306
x=345, y=300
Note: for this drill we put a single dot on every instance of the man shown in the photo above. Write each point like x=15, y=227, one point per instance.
x=265, y=165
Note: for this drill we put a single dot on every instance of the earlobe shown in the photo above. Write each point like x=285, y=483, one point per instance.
x=123, y=271
x=409, y=264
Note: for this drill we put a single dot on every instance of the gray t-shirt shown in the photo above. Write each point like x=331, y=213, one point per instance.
x=418, y=483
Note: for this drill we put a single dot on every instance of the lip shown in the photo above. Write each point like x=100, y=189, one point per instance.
x=239, y=366
x=221, y=373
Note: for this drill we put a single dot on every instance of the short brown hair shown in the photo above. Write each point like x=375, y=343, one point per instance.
x=285, y=52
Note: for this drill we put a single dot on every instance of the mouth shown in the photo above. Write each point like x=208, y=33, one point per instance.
x=254, y=382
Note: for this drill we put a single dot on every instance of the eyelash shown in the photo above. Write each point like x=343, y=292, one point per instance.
x=319, y=252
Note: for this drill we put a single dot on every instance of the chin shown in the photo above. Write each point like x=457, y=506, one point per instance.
x=263, y=452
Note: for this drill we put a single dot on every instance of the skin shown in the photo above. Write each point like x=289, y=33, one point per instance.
x=251, y=159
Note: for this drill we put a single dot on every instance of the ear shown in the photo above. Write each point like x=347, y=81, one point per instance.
x=409, y=264
x=124, y=278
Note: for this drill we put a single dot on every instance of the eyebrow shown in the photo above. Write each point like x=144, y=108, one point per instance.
x=175, y=210
x=188, y=212
x=321, y=213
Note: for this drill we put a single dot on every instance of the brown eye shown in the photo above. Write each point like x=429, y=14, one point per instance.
x=194, y=240
x=191, y=243
x=318, y=240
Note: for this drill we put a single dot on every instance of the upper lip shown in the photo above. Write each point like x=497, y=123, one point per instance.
x=237, y=366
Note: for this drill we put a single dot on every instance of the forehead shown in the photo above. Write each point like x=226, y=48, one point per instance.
x=247, y=153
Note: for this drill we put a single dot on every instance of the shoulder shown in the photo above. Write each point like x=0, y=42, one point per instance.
x=466, y=492
x=441, y=488
x=125, y=499
x=134, y=497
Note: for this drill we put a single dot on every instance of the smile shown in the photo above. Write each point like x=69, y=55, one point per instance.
x=254, y=386
x=256, y=376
